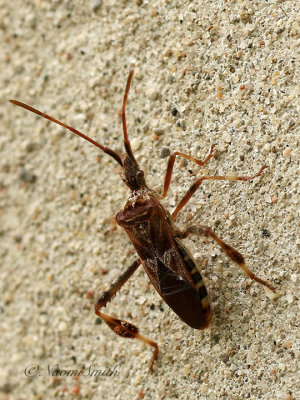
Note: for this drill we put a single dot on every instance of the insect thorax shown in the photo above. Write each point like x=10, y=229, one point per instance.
x=138, y=208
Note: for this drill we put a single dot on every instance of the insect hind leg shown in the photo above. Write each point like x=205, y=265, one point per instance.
x=127, y=330
x=237, y=257
x=120, y=327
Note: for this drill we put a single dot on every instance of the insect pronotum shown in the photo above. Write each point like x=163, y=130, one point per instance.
x=169, y=266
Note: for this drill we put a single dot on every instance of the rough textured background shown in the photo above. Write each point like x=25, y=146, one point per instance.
x=229, y=69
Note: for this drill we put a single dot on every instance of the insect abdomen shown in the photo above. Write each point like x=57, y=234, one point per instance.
x=196, y=277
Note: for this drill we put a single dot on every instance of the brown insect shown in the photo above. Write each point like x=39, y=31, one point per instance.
x=169, y=266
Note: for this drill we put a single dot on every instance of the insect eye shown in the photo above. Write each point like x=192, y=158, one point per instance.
x=140, y=178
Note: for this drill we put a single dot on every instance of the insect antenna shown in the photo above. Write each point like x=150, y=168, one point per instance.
x=106, y=150
x=126, y=140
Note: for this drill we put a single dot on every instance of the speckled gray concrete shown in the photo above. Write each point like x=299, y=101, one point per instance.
x=229, y=69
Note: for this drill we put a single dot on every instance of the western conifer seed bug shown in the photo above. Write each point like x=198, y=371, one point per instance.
x=169, y=266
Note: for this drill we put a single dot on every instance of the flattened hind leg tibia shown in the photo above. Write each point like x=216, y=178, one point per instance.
x=230, y=251
x=127, y=330
x=121, y=327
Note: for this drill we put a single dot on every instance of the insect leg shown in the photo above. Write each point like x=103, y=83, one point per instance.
x=171, y=165
x=237, y=257
x=198, y=182
x=121, y=327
